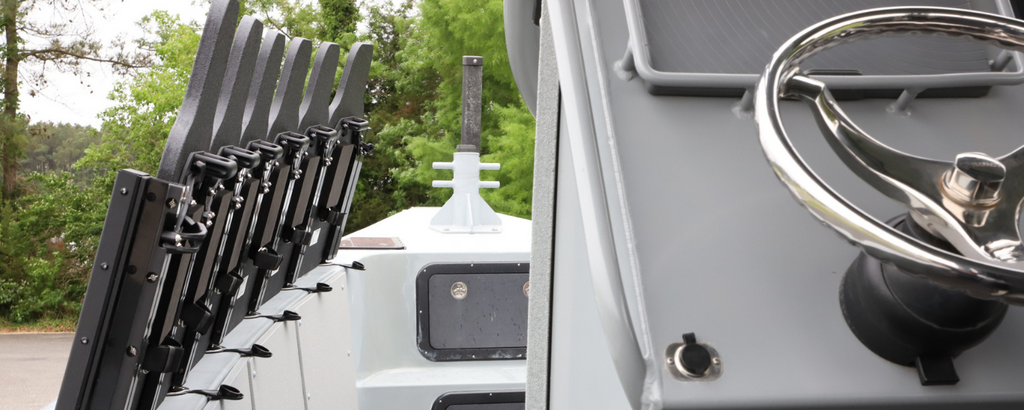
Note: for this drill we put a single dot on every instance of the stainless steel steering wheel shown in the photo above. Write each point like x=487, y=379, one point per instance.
x=973, y=202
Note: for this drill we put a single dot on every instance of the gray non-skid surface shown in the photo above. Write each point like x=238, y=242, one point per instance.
x=726, y=252
x=739, y=36
x=31, y=368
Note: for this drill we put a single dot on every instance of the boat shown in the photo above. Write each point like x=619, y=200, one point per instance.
x=737, y=205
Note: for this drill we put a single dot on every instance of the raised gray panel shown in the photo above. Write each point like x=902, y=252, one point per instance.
x=739, y=36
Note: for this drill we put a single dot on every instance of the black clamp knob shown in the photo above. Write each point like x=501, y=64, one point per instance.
x=296, y=235
x=229, y=283
x=164, y=358
x=267, y=259
x=197, y=316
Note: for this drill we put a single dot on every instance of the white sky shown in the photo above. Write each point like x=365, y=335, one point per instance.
x=67, y=99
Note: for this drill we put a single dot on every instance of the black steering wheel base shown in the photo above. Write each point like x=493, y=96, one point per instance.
x=911, y=321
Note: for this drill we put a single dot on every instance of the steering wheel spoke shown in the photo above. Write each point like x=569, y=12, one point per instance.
x=905, y=178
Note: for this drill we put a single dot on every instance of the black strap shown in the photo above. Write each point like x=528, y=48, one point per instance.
x=286, y=316
x=267, y=259
x=296, y=235
x=320, y=288
x=225, y=392
x=197, y=317
x=257, y=350
x=335, y=218
x=228, y=284
x=164, y=358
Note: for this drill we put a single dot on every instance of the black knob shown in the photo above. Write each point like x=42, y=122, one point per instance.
x=694, y=359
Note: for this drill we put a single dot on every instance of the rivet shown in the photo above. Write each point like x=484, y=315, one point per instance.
x=131, y=270
x=124, y=191
x=104, y=266
x=85, y=340
x=132, y=351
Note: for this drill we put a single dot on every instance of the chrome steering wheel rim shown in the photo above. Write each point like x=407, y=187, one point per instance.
x=985, y=272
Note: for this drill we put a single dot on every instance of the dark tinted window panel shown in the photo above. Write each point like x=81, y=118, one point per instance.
x=472, y=311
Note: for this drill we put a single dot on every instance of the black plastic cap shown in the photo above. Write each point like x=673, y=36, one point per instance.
x=696, y=359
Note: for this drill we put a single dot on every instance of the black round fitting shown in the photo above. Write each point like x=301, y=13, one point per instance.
x=902, y=317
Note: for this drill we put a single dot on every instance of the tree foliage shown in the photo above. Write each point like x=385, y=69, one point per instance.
x=416, y=107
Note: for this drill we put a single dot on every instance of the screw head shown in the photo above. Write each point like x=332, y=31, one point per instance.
x=459, y=290
x=132, y=351
x=124, y=191
x=171, y=203
x=85, y=340
x=975, y=179
x=104, y=266
x=151, y=277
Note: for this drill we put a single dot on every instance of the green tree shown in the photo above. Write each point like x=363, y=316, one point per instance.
x=417, y=108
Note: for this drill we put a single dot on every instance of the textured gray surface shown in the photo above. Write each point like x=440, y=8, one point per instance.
x=545, y=163
x=493, y=313
x=739, y=36
x=31, y=367
x=725, y=252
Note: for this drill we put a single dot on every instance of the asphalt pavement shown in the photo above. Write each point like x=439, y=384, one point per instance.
x=31, y=368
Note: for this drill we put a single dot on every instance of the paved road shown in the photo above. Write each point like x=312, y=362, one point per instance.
x=31, y=368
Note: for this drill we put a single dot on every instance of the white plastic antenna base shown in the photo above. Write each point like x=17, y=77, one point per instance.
x=466, y=211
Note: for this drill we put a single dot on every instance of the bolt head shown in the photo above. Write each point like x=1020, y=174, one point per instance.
x=151, y=277
x=975, y=179
x=124, y=191
x=85, y=340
